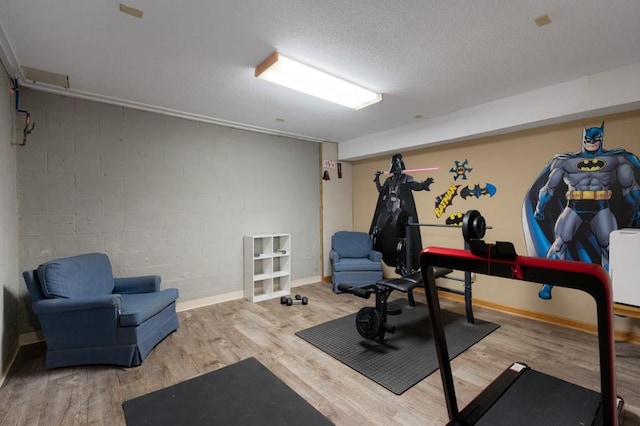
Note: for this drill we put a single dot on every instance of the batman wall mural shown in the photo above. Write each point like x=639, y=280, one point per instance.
x=578, y=199
x=395, y=197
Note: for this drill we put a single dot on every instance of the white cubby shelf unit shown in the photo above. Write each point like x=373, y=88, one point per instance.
x=267, y=266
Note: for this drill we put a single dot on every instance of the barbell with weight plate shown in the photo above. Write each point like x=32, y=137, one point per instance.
x=369, y=322
x=473, y=224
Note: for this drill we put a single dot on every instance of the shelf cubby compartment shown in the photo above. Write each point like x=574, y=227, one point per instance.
x=281, y=265
x=281, y=244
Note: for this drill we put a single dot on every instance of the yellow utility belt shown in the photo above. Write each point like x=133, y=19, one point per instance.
x=588, y=195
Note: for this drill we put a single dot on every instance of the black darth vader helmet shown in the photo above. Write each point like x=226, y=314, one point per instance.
x=397, y=165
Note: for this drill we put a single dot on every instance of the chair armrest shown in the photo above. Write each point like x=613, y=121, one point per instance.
x=59, y=305
x=143, y=284
x=375, y=256
x=334, y=256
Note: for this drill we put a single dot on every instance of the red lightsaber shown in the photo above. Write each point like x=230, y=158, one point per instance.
x=421, y=169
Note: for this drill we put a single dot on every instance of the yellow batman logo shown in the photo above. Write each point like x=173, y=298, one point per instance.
x=454, y=219
x=591, y=165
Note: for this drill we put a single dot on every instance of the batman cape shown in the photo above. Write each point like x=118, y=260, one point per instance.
x=539, y=234
x=387, y=237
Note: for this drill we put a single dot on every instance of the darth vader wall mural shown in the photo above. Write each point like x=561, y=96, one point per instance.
x=578, y=199
x=395, y=197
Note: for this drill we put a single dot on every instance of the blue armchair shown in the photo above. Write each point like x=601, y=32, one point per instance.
x=90, y=317
x=353, y=259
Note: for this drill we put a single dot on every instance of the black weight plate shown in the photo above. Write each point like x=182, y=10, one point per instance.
x=369, y=322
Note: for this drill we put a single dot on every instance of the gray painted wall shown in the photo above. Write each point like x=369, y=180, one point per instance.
x=160, y=195
x=9, y=276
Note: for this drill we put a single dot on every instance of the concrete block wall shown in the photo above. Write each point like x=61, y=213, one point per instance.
x=161, y=195
x=9, y=276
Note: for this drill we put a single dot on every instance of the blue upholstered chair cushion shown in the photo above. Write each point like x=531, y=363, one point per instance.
x=360, y=264
x=86, y=275
x=137, y=308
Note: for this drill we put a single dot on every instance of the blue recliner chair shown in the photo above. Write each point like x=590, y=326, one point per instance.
x=353, y=260
x=90, y=317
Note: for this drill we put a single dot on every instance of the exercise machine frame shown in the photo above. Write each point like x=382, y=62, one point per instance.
x=371, y=322
x=473, y=227
x=500, y=260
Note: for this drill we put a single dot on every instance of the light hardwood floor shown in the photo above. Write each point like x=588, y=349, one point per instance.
x=213, y=337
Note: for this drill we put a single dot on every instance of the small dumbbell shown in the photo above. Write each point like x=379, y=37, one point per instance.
x=283, y=299
x=297, y=300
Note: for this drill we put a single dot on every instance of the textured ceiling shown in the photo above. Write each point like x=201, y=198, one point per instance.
x=429, y=58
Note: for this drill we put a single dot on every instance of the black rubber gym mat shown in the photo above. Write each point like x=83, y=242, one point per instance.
x=245, y=393
x=407, y=356
x=539, y=399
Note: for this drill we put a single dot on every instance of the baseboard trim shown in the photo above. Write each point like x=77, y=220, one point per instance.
x=305, y=281
x=23, y=340
x=625, y=336
x=207, y=301
x=235, y=295
x=37, y=336
x=30, y=338
x=5, y=372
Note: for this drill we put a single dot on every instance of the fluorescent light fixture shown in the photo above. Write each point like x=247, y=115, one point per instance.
x=294, y=75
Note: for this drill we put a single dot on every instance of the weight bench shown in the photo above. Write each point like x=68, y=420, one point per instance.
x=371, y=322
x=407, y=283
